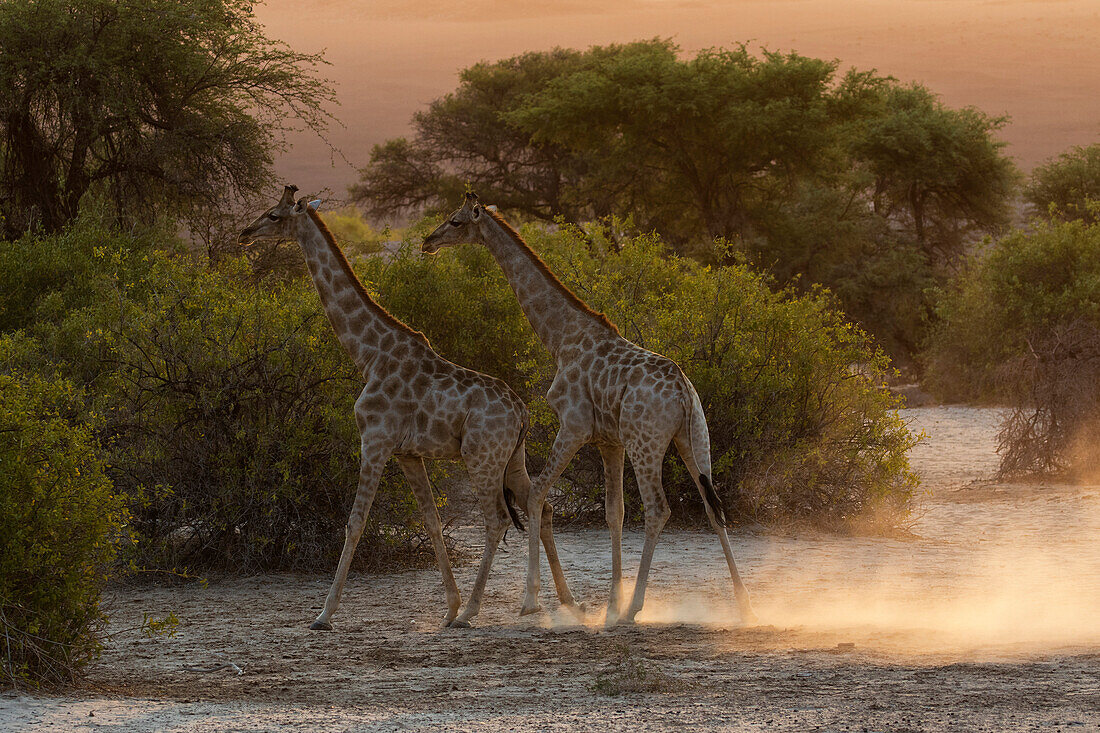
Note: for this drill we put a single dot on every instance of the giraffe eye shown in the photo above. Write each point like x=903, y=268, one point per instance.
x=273, y=216
x=455, y=223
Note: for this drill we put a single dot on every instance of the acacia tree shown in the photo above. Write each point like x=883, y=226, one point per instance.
x=692, y=148
x=465, y=137
x=936, y=173
x=144, y=104
x=853, y=181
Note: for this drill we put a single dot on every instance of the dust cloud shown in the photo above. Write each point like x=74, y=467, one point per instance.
x=994, y=569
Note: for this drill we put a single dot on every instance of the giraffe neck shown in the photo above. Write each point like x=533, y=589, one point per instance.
x=363, y=327
x=561, y=320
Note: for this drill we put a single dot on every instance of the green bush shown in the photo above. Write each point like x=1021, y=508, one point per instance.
x=226, y=406
x=796, y=432
x=229, y=413
x=1021, y=326
x=59, y=521
x=800, y=426
x=462, y=303
x=42, y=279
x=1068, y=187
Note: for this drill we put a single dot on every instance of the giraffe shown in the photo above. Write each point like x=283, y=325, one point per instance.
x=415, y=405
x=607, y=391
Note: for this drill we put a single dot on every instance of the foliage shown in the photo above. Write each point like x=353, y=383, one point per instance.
x=354, y=235
x=1021, y=325
x=855, y=181
x=59, y=520
x=1068, y=187
x=462, y=304
x=143, y=108
x=630, y=675
x=43, y=279
x=463, y=138
x=936, y=172
x=226, y=410
x=796, y=433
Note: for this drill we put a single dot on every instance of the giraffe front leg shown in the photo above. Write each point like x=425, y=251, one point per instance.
x=565, y=447
x=417, y=476
x=614, y=510
x=370, y=471
x=519, y=482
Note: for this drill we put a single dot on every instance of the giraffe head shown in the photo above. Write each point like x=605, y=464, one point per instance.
x=280, y=221
x=463, y=226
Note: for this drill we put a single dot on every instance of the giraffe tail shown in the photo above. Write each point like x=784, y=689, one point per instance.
x=510, y=504
x=716, y=504
x=699, y=443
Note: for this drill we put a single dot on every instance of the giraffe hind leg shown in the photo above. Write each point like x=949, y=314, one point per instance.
x=519, y=484
x=647, y=461
x=706, y=490
x=486, y=480
x=566, y=444
x=614, y=510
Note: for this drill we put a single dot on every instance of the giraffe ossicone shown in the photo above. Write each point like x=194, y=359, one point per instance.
x=415, y=405
x=607, y=391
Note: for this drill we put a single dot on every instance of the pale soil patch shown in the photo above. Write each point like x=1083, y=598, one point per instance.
x=986, y=621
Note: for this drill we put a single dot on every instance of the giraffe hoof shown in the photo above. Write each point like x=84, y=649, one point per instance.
x=528, y=610
x=748, y=618
x=319, y=625
x=459, y=624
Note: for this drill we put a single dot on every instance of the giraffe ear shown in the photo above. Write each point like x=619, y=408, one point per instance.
x=476, y=213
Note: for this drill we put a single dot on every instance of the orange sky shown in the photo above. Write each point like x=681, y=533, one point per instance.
x=1035, y=60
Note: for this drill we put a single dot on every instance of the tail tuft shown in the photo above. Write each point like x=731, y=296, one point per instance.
x=715, y=503
x=510, y=503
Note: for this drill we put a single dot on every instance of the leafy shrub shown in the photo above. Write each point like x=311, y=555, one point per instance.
x=1068, y=187
x=59, y=519
x=226, y=406
x=1021, y=325
x=351, y=230
x=42, y=279
x=230, y=423
x=463, y=305
x=796, y=433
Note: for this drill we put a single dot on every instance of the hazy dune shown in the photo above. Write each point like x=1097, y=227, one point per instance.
x=1037, y=61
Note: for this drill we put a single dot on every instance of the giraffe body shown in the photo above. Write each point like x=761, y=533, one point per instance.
x=414, y=405
x=607, y=391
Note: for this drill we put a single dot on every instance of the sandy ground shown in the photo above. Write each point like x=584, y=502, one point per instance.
x=988, y=620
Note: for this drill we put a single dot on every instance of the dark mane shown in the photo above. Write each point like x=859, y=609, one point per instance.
x=548, y=273
x=378, y=310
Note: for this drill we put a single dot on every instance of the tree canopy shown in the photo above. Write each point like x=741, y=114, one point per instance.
x=851, y=180
x=144, y=104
